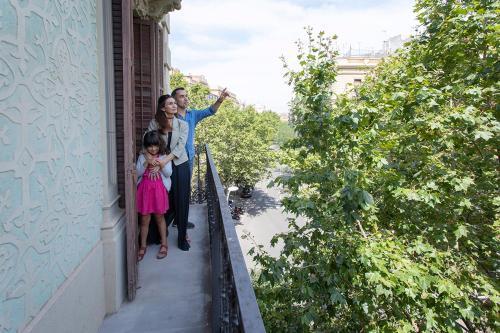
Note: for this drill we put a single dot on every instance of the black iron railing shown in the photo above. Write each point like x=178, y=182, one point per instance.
x=234, y=306
x=198, y=188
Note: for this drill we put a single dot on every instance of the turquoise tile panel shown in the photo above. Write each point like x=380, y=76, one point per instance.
x=50, y=155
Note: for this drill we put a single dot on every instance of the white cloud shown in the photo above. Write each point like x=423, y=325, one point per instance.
x=237, y=43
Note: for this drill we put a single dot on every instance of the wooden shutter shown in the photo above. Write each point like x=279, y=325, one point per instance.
x=136, y=53
x=118, y=75
x=125, y=129
x=159, y=39
x=146, y=75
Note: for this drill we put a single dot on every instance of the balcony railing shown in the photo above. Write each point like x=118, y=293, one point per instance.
x=234, y=306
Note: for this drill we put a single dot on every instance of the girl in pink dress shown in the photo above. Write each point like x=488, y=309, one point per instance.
x=152, y=190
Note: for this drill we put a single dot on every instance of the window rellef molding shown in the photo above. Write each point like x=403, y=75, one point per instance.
x=155, y=9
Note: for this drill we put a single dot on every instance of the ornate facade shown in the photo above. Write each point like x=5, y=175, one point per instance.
x=62, y=233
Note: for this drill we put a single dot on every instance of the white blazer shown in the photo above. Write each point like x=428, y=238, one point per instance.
x=180, y=130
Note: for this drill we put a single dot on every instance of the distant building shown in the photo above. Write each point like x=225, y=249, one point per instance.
x=352, y=71
x=214, y=92
x=260, y=108
x=283, y=117
x=392, y=44
x=354, y=65
x=193, y=79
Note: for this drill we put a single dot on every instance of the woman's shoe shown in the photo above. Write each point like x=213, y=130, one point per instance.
x=163, y=252
x=141, y=253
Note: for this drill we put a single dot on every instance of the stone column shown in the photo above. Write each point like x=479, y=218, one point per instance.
x=167, y=59
x=113, y=226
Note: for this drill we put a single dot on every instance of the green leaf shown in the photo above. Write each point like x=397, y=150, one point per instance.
x=485, y=135
x=367, y=198
x=336, y=297
x=461, y=231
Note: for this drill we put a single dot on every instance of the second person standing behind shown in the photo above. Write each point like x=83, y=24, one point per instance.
x=193, y=117
x=175, y=132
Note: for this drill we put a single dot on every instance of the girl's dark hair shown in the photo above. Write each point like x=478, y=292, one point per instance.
x=153, y=138
x=160, y=116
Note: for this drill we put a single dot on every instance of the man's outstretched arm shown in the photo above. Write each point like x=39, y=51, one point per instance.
x=199, y=115
x=223, y=95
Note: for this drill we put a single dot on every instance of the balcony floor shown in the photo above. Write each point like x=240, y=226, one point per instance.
x=174, y=293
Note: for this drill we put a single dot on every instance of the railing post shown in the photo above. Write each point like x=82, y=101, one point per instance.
x=200, y=196
x=198, y=192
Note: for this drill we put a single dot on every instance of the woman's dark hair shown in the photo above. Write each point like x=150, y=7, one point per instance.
x=153, y=138
x=160, y=116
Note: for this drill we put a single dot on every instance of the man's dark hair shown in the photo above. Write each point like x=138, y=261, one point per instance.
x=176, y=90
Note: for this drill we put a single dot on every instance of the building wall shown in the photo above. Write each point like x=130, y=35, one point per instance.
x=51, y=189
x=352, y=70
x=167, y=55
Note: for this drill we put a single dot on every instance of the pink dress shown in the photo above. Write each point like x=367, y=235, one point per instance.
x=152, y=196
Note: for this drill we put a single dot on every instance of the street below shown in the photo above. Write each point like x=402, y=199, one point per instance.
x=262, y=218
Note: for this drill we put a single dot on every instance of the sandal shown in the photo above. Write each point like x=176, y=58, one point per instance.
x=140, y=255
x=162, y=253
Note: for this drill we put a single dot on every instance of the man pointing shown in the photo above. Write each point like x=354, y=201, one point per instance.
x=193, y=117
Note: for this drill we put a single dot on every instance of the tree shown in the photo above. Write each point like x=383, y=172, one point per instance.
x=399, y=185
x=198, y=93
x=285, y=133
x=239, y=138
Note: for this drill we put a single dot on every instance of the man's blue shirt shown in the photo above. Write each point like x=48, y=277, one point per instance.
x=192, y=118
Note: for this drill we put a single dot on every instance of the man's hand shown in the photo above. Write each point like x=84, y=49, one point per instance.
x=223, y=95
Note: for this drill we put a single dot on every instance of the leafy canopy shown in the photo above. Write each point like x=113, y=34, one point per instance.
x=399, y=184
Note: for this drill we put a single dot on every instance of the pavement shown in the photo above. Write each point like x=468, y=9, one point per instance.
x=174, y=293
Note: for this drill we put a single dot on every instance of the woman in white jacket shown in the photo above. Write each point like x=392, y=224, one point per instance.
x=174, y=132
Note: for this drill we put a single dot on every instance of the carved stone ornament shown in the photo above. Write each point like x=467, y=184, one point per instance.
x=155, y=9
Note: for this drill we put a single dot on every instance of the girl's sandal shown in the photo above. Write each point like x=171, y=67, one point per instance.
x=141, y=253
x=162, y=253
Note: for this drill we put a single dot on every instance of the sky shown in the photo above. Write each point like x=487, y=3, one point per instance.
x=238, y=43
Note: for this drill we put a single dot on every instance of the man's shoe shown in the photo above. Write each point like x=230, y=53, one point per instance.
x=184, y=246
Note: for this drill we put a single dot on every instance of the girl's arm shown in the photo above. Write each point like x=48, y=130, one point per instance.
x=141, y=165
